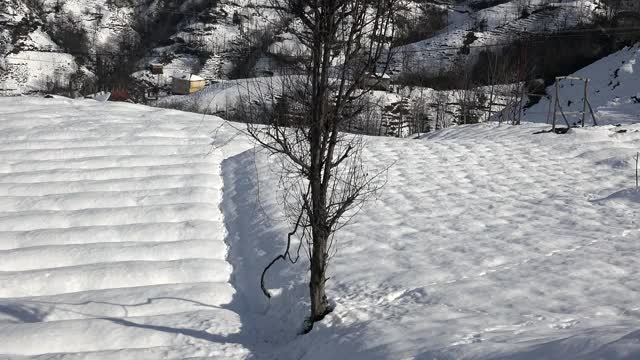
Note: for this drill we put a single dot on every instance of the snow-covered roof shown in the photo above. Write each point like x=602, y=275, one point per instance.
x=190, y=77
x=379, y=75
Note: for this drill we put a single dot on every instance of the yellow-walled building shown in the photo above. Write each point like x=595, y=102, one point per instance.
x=187, y=84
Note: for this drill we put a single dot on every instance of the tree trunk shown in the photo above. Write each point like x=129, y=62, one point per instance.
x=319, y=154
x=319, y=304
x=320, y=232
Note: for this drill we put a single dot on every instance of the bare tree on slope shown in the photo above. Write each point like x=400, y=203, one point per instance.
x=301, y=117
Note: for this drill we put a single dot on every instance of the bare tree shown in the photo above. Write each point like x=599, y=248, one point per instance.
x=492, y=74
x=466, y=94
x=302, y=120
x=420, y=113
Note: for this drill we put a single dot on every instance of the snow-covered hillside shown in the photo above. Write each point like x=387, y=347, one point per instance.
x=487, y=242
x=494, y=25
x=613, y=92
x=226, y=39
x=191, y=36
x=24, y=66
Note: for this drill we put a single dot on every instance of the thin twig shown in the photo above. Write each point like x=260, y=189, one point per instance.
x=285, y=254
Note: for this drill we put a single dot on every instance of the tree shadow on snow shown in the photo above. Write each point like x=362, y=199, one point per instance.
x=23, y=313
x=628, y=196
x=35, y=313
x=198, y=334
x=255, y=237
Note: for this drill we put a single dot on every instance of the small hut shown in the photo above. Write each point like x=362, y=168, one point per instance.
x=156, y=69
x=187, y=84
x=376, y=81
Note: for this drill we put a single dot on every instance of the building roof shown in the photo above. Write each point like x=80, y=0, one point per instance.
x=190, y=77
x=379, y=75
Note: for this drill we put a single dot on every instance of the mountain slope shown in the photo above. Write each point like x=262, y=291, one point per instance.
x=219, y=39
x=497, y=24
x=613, y=92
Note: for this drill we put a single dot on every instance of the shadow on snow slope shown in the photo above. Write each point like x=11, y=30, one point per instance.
x=254, y=238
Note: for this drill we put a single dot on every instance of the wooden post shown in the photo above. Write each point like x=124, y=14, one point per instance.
x=584, y=101
x=637, y=159
x=595, y=122
x=555, y=107
x=566, y=121
x=520, y=104
x=549, y=112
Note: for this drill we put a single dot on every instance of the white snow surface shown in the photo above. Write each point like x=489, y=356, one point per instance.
x=111, y=234
x=129, y=232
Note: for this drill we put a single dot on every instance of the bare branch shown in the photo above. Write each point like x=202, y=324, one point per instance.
x=284, y=255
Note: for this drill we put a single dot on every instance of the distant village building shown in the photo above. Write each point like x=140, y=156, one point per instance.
x=187, y=84
x=156, y=69
x=377, y=81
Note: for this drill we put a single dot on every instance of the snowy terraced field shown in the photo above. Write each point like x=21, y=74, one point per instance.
x=493, y=243
x=112, y=239
x=487, y=242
